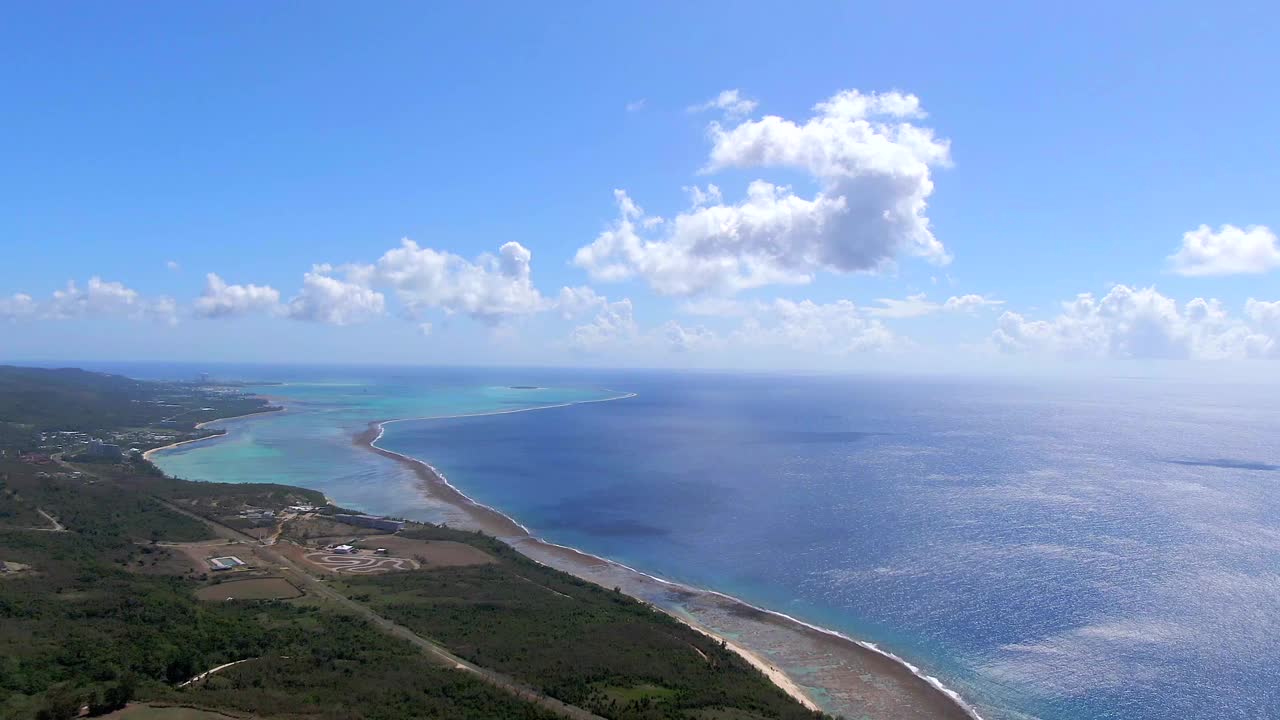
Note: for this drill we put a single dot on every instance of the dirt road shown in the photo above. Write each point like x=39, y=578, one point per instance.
x=438, y=652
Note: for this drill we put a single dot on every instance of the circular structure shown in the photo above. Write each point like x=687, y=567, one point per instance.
x=359, y=563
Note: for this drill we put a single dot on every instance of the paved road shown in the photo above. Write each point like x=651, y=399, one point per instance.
x=437, y=652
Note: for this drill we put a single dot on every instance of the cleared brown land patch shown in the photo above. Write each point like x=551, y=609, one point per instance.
x=359, y=563
x=318, y=527
x=261, y=532
x=428, y=553
x=298, y=554
x=199, y=553
x=402, y=554
x=260, y=588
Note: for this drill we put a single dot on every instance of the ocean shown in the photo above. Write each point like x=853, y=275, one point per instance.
x=1105, y=548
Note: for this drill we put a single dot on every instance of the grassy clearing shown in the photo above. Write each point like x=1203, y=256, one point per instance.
x=637, y=693
x=267, y=588
x=429, y=553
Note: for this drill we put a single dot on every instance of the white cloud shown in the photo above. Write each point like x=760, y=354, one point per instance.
x=162, y=309
x=491, y=289
x=222, y=300
x=715, y=307
x=613, y=325
x=1230, y=251
x=919, y=305
x=836, y=328
x=681, y=339
x=969, y=303
x=1266, y=315
x=173, y=265
x=874, y=171
x=701, y=198
x=636, y=105
x=913, y=306
x=1140, y=323
x=731, y=102
x=17, y=306
x=577, y=301
x=326, y=299
x=104, y=298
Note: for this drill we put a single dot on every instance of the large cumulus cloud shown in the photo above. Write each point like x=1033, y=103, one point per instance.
x=873, y=168
x=490, y=288
x=1229, y=251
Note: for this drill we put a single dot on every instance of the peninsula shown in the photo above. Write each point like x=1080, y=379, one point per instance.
x=126, y=593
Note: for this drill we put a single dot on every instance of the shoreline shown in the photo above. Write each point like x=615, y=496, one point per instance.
x=200, y=426
x=512, y=532
x=856, y=677
x=913, y=695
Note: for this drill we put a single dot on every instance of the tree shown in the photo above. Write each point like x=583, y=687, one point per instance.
x=181, y=667
x=116, y=695
x=60, y=703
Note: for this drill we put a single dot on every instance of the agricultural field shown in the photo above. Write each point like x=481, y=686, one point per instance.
x=258, y=588
x=429, y=553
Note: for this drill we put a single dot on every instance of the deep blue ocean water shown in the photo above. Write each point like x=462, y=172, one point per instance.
x=1087, y=549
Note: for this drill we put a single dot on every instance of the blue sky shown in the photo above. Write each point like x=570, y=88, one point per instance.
x=1007, y=158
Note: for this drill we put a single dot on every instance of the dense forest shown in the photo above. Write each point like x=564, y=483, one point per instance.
x=591, y=647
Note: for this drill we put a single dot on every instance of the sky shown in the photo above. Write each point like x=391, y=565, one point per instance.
x=833, y=186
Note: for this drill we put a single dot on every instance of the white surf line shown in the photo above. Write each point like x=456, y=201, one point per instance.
x=571, y=403
x=444, y=479
x=930, y=679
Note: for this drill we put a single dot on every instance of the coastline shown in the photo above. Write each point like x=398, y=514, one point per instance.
x=855, y=677
x=200, y=426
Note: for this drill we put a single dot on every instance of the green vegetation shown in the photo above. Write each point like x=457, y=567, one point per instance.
x=351, y=671
x=92, y=508
x=147, y=712
x=219, y=500
x=254, y=588
x=103, y=612
x=77, y=400
x=81, y=631
x=572, y=639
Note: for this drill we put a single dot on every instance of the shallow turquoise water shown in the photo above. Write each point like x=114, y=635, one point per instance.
x=310, y=443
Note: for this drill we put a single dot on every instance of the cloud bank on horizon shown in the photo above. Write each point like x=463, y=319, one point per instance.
x=859, y=178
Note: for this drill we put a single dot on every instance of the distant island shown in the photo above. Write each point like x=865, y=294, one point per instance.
x=523, y=387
